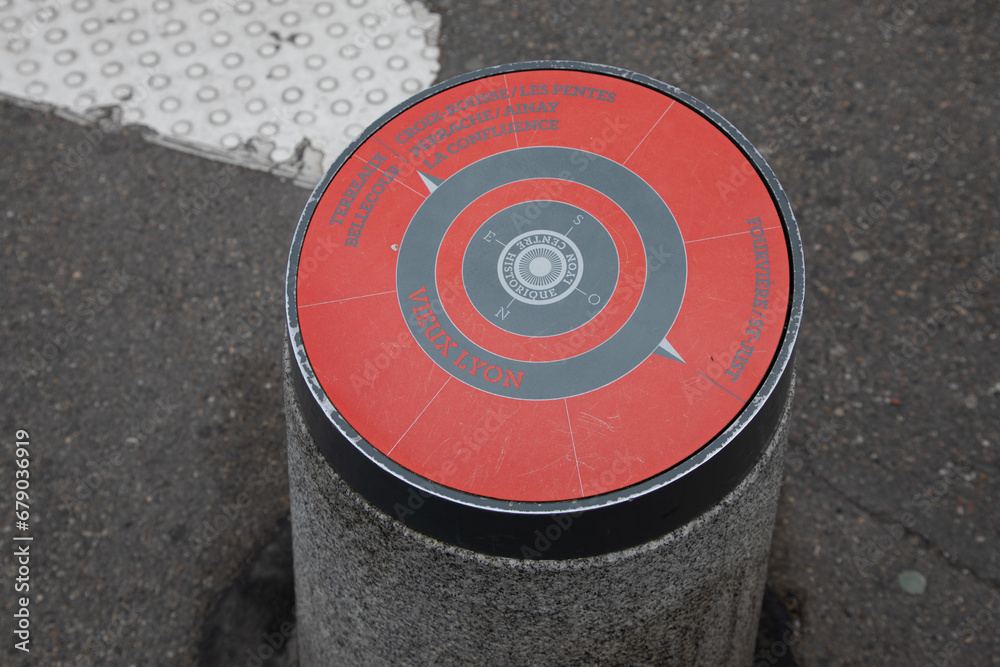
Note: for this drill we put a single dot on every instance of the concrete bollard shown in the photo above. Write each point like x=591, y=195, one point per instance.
x=541, y=321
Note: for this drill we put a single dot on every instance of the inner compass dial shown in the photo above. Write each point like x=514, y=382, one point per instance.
x=533, y=273
x=533, y=264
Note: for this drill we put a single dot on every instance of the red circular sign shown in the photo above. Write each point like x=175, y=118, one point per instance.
x=543, y=285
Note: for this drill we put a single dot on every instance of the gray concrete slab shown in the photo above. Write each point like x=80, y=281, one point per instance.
x=164, y=391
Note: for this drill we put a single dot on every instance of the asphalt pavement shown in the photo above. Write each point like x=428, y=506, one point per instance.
x=142, y=328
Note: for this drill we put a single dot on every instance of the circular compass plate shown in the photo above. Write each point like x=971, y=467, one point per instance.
x=545, y=288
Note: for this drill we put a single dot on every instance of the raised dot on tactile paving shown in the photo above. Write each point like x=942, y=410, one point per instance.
x=279, y=72
x=290, y=19
x=305, y=118
x=112, y=68
x=302, y=39
x=162, y=6
x=90, y=26
x=230, y=141
x=277, y=3
x=353, y=130
x=182, y=128
x=170, y=104
x=221, y=38
x=383, y=41
x=132, y=115
x=219, y=117
x=10, y=24
x=323, y=9
x=376, y=96
x=185, y=48
x=84, y=101
x=27, y=67
x=243, y=82
x=256, y=105
x=159, y=81
x=243, y=7
x=127, y=15
x=55, y=35
x=17, y=45
x=357, y=4
x=255, y=28
x=46, y=14
x=396, y=63
x=364, y=73
x=35, y=89
x=315, y=61
x=411, y=86
x=207, y=93
x=102, y=47
x=349, y=52
x=291, y=95
x=267, y=129
x=232, y=60
x=280, y=154
x=327, y=84
x=74, y=79
x=336, y=30
x=341, y=107
x=174, y=27
x=149, y=59
x=369, y=21
x=137, y=37
x=122, y=91
x=267, y=50
x=196, y=71
x=209, y=16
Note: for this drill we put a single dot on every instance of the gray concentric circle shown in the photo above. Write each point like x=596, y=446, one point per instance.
x=662, y=290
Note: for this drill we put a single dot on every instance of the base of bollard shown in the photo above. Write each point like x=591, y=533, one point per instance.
x=369, y=590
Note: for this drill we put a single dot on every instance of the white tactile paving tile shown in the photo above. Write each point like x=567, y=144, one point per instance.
x=280, y=85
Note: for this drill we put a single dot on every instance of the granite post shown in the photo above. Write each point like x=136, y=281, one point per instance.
x=371, y=591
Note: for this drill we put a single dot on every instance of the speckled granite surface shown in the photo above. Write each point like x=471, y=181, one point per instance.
x=370, y=591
